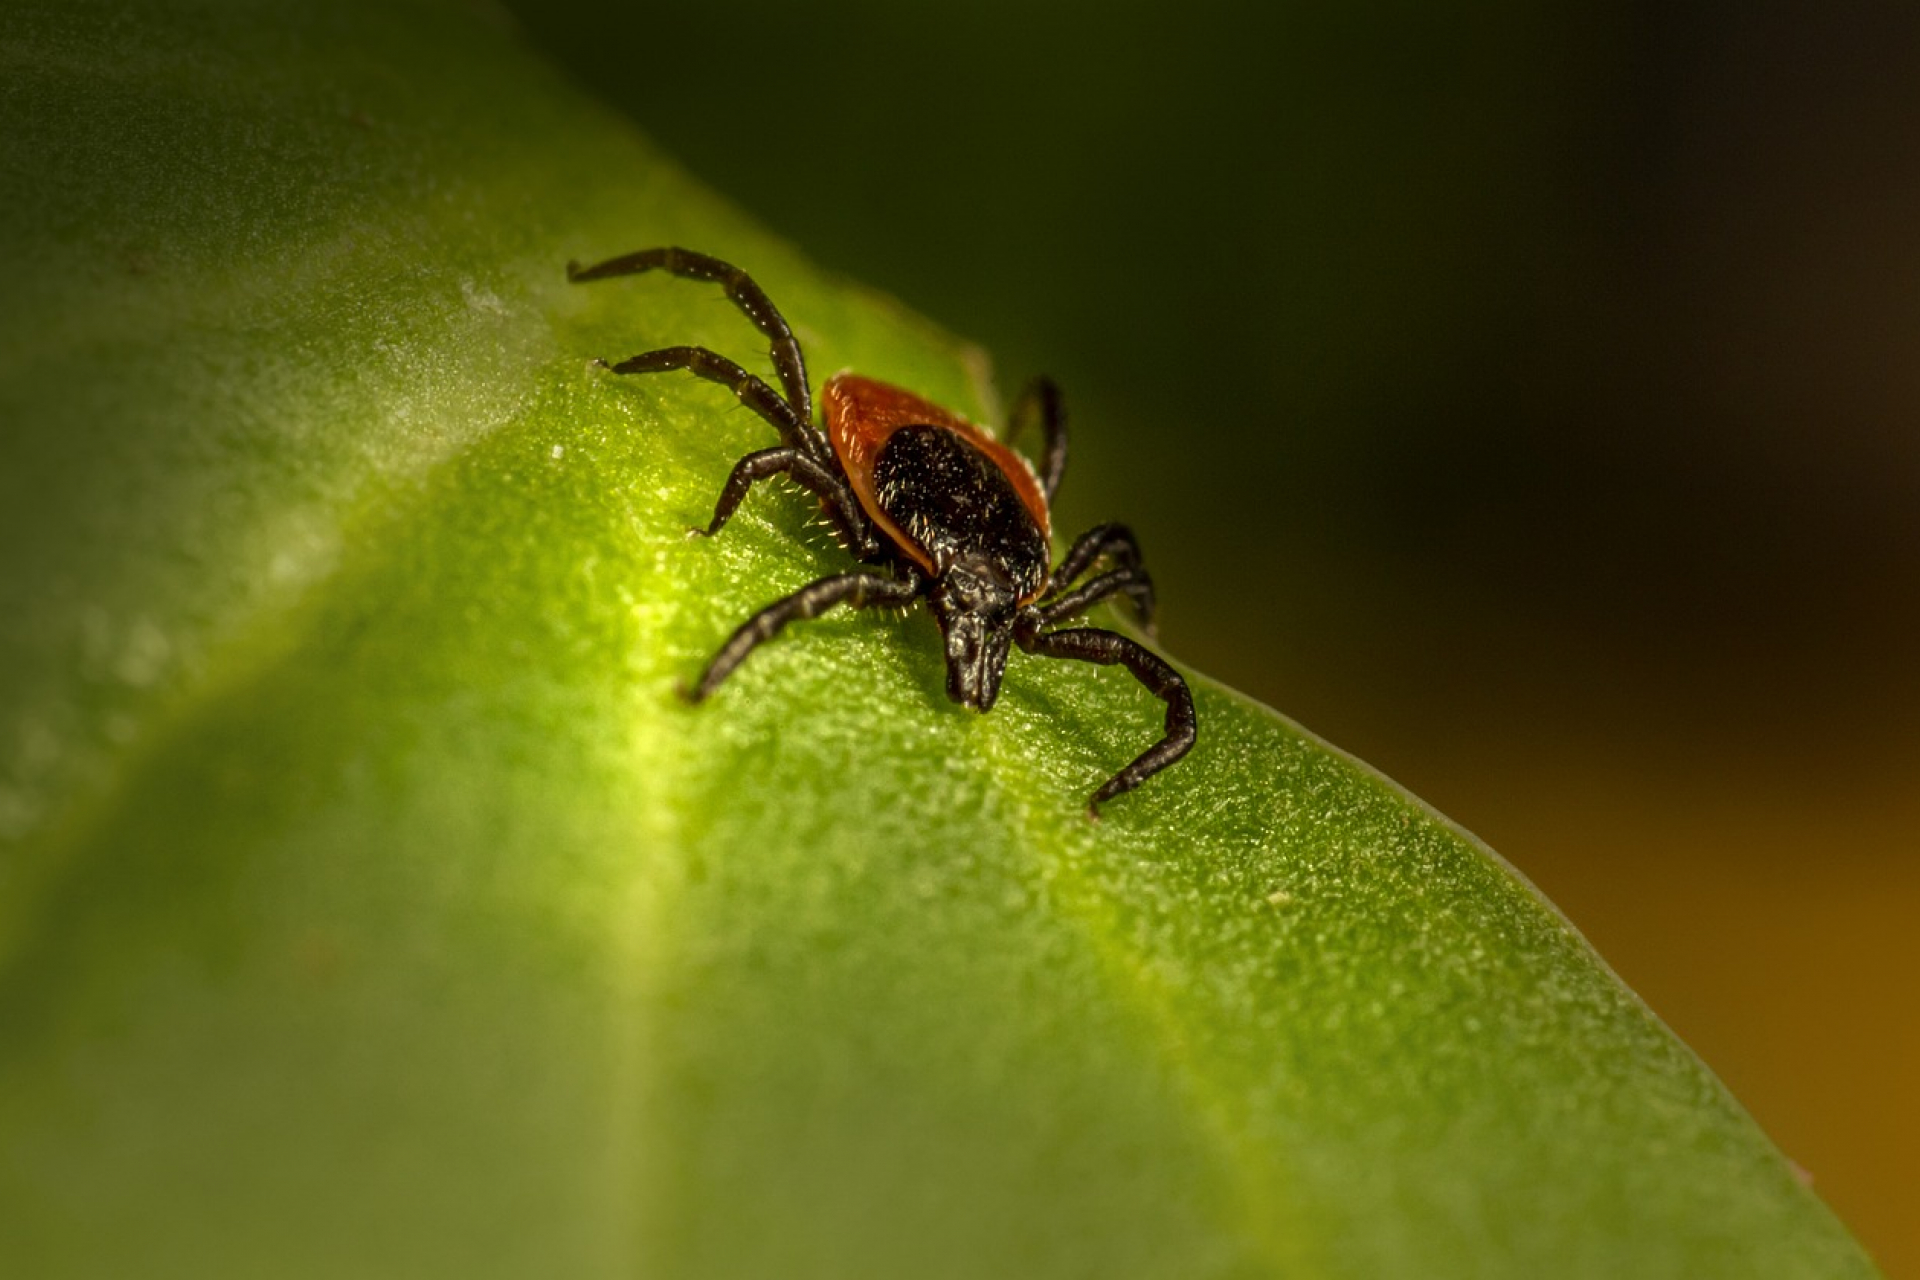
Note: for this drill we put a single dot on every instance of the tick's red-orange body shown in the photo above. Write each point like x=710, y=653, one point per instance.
x=956, y=516
x=862, y=417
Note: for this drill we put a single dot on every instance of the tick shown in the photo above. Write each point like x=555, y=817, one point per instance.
x=946, y=512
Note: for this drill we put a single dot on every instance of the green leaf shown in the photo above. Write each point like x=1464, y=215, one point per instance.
x=369, y=904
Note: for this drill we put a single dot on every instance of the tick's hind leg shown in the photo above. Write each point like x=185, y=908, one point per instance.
x=1040, y=402
x=856, y=590
x=752, y=300
x=1088, y=644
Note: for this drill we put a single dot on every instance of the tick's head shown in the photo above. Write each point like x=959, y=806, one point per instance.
x=975, y=606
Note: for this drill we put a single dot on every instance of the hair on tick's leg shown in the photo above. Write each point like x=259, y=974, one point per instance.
x=843, y=512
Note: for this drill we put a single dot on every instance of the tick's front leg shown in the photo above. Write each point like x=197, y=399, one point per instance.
x=1089, y=644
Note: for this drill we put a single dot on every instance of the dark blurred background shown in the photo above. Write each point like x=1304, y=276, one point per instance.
x=1524, y=396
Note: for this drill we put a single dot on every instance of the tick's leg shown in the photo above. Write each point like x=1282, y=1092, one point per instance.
x=849, y=521
x=1112, y=542
x=1106, y=648
x=1131, y=580
x=1040, y=402
x=746, y=295
x=751, y=390
x=856, y=590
